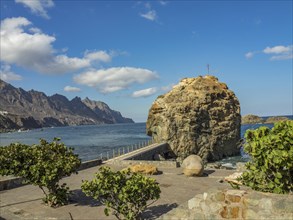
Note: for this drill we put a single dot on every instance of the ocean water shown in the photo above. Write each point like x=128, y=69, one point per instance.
x=89, y=141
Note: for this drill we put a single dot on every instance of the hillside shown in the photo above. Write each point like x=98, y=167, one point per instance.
x=20, y=109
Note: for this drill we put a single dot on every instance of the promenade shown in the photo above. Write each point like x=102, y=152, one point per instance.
x=25, y=202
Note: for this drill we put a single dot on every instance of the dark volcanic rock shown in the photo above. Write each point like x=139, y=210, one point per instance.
x=198, y=116
x=33, y=109
x=101, y=108
x=6, y=124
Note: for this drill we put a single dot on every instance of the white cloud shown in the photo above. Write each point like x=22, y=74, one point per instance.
x=100, y=56
x=282, y=57
x=7, y=75
x=33, y=49
x=35, y=30
x=278, y=49
x=38, y=7
x=150, y=15
x=279, y=52
x=249, y=55
x=115, y=78
x=71, y=89
x=144, y=92
x=151, y=91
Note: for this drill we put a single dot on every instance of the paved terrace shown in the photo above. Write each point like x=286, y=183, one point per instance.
x=25, y=202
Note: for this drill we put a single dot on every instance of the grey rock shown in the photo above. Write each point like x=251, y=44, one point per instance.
x=193, y=166
x=194, y=203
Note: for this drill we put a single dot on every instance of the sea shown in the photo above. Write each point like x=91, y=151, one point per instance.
x=89, y=141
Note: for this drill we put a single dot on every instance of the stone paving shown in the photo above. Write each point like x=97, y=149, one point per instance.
x=25, y=202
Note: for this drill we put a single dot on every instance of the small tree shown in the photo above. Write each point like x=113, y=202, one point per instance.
x=271, y=168
x=126, y=194
x=42, y=165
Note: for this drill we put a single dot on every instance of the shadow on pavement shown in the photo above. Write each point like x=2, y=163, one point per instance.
x=155, y=212
x=80, y=199
x=208, y=172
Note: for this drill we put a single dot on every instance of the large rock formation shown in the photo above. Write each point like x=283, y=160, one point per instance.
x=20, y=109
x=198, y=116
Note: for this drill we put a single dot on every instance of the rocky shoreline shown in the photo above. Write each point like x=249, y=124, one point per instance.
x=254, y=119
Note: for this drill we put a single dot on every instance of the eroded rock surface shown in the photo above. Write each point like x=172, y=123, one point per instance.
x=198, y=116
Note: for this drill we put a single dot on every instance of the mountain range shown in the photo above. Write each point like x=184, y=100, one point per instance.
x=20, y=109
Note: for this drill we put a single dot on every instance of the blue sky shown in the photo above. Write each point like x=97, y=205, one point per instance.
x=126, y=53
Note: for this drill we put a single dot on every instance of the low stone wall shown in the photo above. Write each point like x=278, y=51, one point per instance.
x=90, y=163
x=11, y=182
x=158, y=164
x=235, y=204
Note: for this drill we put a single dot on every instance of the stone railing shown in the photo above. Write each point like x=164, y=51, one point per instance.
x=235, y=204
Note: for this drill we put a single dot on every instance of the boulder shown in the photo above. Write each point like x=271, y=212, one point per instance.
x=144, y=169
x=192, y=166
x=198, y=116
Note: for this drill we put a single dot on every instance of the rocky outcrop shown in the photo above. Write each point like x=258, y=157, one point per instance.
x=254, y=119
x=6, y=124
x=198, y=116
x=275, y=119
x=33, y=109
x=251, y=119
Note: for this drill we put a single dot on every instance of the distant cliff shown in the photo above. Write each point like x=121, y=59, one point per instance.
x=251, y=119
x=20, y=109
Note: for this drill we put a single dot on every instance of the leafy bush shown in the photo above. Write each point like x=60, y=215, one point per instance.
x=271, y=150
x=42, y=165
x=127, y=195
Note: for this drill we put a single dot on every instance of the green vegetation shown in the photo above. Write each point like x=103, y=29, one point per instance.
x=42, y=165
x=271, y=168
x=126, y=194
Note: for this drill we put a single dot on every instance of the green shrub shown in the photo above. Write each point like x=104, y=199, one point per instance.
x=42, y=165
x=126, y=194
x=271, y=150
